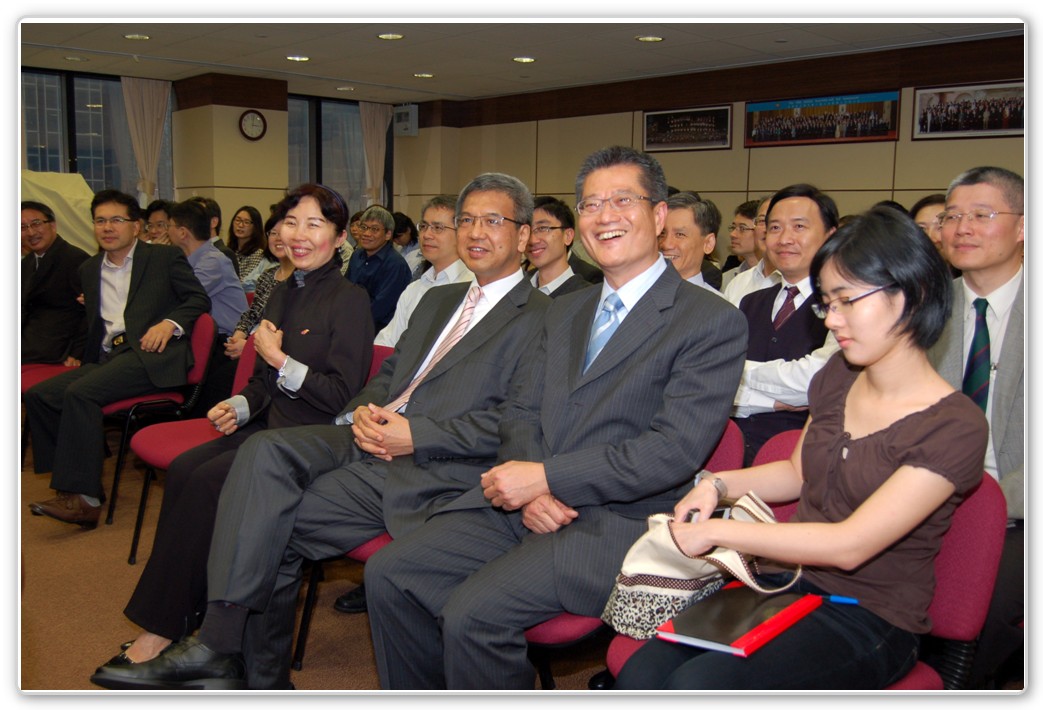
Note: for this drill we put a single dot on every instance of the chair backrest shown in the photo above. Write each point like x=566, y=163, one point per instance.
x=203, y=333
x=777, y=448
x=966, y=566
x=728, y=454
x=245, y=367
x=380, y=353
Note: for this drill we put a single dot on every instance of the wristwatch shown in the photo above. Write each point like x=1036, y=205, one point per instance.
x=718, y=484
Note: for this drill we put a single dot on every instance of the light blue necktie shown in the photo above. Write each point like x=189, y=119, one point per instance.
x=604, y=326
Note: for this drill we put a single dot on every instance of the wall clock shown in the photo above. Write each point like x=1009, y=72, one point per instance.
x=252, y=125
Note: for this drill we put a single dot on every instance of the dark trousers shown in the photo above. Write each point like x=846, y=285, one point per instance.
x=1003, y=634
x=171, y=594
x=836, y=647
x=758, y=428
x=66, y=423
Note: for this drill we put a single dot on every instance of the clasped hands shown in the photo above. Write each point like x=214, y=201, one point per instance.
x=381, y=432
x=523, y=484
x=222, y=415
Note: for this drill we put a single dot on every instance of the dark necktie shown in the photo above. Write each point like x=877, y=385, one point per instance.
x=787, y=309
x=979, y=360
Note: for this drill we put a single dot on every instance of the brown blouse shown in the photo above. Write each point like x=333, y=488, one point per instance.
x=948, y=438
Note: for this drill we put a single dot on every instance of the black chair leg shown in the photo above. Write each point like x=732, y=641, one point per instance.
x=150, y=473
x=310, y=599
x=541, y=659
x=120, y=459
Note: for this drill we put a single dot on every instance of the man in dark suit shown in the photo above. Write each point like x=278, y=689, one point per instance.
x=316, y=492
x=983, y=234
x=593, y=441
x=54, y=324
x=788, y=342
x=553, y=229
x=141, y=301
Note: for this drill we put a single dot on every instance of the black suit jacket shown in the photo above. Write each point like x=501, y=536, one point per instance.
x=162, y=286
x=584, y=268
x=54, y=323
x=575, y=283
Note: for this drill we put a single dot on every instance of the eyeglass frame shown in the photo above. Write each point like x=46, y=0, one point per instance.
x=596, y=204
x=36, y=224
x=822, y=310
x=436, y=227
x=243, y=222
x=741, y=227
x=981, y=216
x=547, y=229
x=372, y=228
x=156, y=226
x=116, y=221
x=492, y=221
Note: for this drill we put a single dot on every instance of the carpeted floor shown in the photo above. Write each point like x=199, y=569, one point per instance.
x=75, y=584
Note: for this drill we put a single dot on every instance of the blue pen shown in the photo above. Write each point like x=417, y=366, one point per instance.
x=836, y=599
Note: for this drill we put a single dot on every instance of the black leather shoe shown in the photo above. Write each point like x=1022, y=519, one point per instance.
x=353, y=602
x=602, y=680
x=187, y=665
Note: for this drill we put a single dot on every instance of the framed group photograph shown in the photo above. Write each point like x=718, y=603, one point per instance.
x=974, y=111
x=852, y=118
x=689, y=129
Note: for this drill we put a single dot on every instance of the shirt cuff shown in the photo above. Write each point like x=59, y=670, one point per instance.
x=291, y=377
x=178, y=330
x=242, y=408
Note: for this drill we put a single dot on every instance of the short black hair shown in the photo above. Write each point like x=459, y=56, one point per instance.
x=935, y=199
x=881, y=247
x=39, y=207
x=160, y=206
x=827, y=208
x=556, y=209
x=192, y=215
x=129, y=201
x=1007, y=182
x=403, y=223
x=212, y=209
x=652, y=178
x=748, y=209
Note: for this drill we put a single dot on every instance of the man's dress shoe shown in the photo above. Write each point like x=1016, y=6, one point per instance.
x=68, y=508
x=186, y=665
x=353, y=602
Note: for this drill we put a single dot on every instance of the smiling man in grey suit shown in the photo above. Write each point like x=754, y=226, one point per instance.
x=316, y=492
x=589, y=451
x=983, y=234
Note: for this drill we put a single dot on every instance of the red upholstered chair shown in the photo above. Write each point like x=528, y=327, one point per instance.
x=165, y=404
x=33, y=374
x=567, y=629
x=159, y=444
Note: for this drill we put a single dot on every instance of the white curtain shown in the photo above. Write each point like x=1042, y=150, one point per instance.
x=375, y=121
x=146, y=103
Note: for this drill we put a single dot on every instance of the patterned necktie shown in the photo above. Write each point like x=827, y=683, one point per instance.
x=458, y=332
x=787, y=309
x=979, y=360
x=604, y=326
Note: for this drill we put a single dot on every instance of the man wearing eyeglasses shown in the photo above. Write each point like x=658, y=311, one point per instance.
x=625, y=397
x=54, y=325
x=140, y=300
x=763, y=274
x=553, y=229
x=438, y=245
x=377, y=267
x=789, y=343
x=742, y=235
x=981, y=352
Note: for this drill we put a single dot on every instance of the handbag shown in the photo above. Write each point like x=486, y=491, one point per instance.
x=658, y=580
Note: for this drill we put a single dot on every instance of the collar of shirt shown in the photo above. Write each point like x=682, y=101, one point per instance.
x=126, y=260
x=554, y=285
x=201, y=251
x=633, y=290
x=1001, y=300
x=449, y=275
x=365, y=257
x=493, y=292
x=804, y=286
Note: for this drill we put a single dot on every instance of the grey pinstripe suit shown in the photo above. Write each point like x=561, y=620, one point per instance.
x=449, y=603
x=309, y=492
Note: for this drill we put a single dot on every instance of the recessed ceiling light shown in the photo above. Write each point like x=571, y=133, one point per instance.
x=648, y=38
x=94, y=105
x=424, y=75
x=345, y=88
x=390, y=35
x=298, y=58
x=76, y=59
x=139, y=37
x=525, y=60
x=781, y=41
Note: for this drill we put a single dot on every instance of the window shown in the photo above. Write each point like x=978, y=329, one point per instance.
x=77, y=123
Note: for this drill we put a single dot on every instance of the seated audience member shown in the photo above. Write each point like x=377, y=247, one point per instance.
x=689, y=235
x=438, y=245
x=246, y=237
x=377, y=267
x=982, y=351
x=584, y=268
x=764, y=273
x=625, y=397
x=743, y=240
x=189, y=231
x=888, y=453
x=54, y=324
x=925, y=213
x=157, y=216
x=313, y=354
x=787, y=344
x=353, y=229
x=141, y=301
x=267, y=281
x=553, y=229
x=406, y=242
x=213, y=210
x=419, y=434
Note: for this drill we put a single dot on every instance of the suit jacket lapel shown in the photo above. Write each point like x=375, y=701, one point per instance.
x=449, y=298
x=137, y=269
x=580, y=336
x=1010, y=369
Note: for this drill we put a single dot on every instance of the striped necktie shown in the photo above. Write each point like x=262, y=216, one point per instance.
x=788, y=306
x=979, y=360
x=458, y=332
x=604, y=326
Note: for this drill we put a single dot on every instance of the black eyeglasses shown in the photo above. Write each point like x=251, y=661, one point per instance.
x=36, y=224
x=842, y=305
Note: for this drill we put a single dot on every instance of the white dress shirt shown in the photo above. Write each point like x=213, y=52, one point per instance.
x=455, y=272
x=749, y=281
